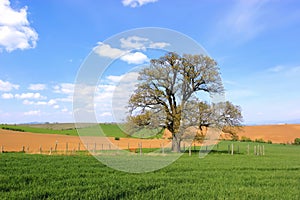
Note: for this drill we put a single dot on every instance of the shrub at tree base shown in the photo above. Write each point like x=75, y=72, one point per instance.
x=297, y=141
x=245, y=139
x=269, y=142
x=260, y=140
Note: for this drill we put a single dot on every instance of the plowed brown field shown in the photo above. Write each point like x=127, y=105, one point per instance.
x=276, y=133
x=32, y=142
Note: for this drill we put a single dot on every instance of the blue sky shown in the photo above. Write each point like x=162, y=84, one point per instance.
x=44, y=43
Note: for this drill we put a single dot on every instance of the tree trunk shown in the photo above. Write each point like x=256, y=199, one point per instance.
x=175, y=144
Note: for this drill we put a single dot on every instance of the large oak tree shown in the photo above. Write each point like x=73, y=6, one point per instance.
x=167, y=93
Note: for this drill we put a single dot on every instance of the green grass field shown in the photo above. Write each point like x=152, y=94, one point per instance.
x=217, y=176
x=110, y=130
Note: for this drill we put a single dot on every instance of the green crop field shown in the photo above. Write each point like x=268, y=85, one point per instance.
x=276, y=175
x=110, y=130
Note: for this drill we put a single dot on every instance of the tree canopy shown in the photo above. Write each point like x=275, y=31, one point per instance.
x=167, y=94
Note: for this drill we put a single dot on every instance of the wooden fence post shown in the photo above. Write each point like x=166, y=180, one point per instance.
x=232, y=149
x=41, y=149
x=55, y=148
x=23, y=149
x=67, y=146
x=50, y=151
x=263, y=150
x=190, y=150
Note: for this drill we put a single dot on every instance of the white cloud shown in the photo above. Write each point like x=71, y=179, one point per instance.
x=105, y=114
x=112, y=96
x=27, y=102
x=133, y=42
x=51, y=102
x=41, y=103
x=107, y=51
x=108, y=87
x=158, y=45
x=125, y=78
x=15, y=30
x=64, y=88
x=136, y=42
x=128, y=44
x=67, y=99
x=32, y=112
x=136, y=3
x=129, y=78
x=64, y=110
x=56, y=106
x=29, y=95
x=114, y=53
x=37, y=87
x=114, y=78
x=135, y=58
x=6, y=86
x=7, y=96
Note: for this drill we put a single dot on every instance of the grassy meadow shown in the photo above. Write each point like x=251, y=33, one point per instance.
x=110, y=130
x=219, y=175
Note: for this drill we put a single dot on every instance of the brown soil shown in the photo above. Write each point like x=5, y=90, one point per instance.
x=276, y=133
x=32, y=142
